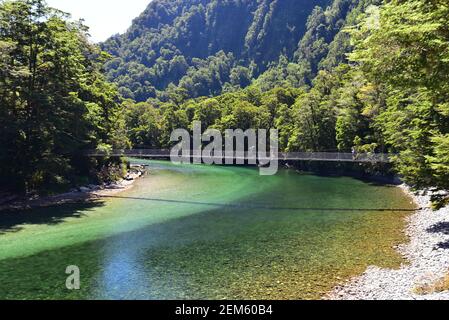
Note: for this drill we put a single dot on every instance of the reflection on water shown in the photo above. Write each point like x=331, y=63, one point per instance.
x=123, y=271
x=206, y=233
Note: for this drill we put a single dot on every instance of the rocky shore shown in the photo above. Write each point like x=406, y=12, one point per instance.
x=427, y=256
x=77, y=195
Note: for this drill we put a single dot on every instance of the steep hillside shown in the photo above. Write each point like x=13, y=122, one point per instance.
x=324, y=45
x=205, y=46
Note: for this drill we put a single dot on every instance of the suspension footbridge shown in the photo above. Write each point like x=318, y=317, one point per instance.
x=225, y=156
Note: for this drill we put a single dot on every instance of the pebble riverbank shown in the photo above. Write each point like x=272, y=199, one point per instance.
x=427, y=254
x=80, y=194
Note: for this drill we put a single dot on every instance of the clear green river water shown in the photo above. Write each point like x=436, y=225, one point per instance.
x=201, y=232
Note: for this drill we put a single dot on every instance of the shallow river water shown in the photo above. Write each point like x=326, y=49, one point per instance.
x=200, y=232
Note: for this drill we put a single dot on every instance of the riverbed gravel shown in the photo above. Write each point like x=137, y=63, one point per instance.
x=77, y=195
x=427, y=256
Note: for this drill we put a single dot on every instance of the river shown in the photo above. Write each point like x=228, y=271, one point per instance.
x=202, y=232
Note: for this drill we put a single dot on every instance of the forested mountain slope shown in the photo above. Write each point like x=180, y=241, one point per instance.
x=363, y=75
x=207, y=46
x=324, y=46
x=367, y=75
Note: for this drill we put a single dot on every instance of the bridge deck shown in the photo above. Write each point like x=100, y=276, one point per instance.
x=281, y=156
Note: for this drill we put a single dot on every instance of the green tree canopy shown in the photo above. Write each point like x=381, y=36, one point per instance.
x=54, y=101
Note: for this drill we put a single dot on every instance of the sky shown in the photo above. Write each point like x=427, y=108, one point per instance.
x=104, y=17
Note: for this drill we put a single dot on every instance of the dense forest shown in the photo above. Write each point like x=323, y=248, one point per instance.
x=55, y=103
x=338, y=75
x=204, y=47
x=366, y=75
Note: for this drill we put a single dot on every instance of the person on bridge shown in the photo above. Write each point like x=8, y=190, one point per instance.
x=354, y=153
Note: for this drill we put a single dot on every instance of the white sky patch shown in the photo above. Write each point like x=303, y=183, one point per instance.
x=104, y=17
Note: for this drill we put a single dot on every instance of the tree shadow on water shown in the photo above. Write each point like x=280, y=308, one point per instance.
x=13, y=221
